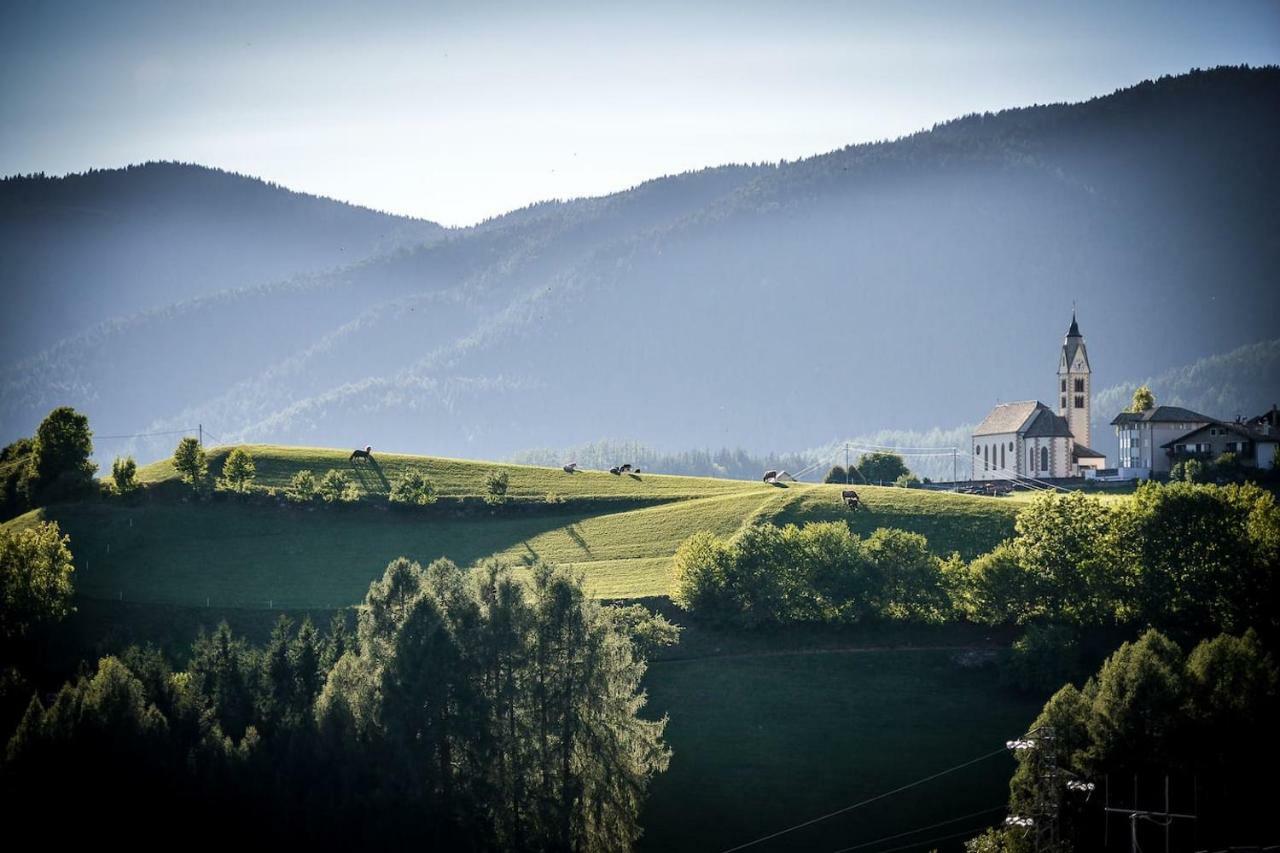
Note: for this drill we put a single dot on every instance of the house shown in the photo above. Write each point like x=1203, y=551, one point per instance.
x=1254, y=448
x=1143, y=436
x=1027, y=439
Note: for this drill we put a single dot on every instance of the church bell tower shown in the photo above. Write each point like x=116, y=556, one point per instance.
x=1074, y=392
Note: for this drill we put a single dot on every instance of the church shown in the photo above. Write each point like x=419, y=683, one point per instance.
x=1029, y=440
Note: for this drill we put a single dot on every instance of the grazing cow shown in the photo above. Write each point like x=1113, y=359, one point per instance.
x=851, y=499
x=615, y=470
x=367, y=453
x=625, y=468
x=770, y=476
x=571, y=468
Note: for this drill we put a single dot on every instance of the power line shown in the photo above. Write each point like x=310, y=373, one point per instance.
x=921, y=829
x=928, y=841
x=144, y=434
x=866, y=802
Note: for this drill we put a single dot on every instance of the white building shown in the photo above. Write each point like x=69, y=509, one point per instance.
x=1143, y=436
x=1028, y=440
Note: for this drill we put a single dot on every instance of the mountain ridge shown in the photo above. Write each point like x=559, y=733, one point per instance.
x=885, y=285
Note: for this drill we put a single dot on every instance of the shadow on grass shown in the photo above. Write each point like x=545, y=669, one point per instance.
x=368, y=473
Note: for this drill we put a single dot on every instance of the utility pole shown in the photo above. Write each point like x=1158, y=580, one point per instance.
x=955, y=471
x=1164, y=818
x=200, y=427
x=848, y=476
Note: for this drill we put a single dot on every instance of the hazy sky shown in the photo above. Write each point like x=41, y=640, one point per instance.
x=459, y=111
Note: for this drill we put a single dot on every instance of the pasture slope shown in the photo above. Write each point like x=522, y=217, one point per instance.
x=767, y=729
x=619, y=531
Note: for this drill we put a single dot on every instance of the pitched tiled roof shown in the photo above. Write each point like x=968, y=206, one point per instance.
x=1161, y=414
x=1238, y=429
x=1082, y=452
x=1046, y=424
x=1008, y=417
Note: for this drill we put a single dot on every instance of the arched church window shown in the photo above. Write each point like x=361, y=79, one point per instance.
x=1044, y=459
x=1079, y=386
x=1064, y=386
x=1001, y=454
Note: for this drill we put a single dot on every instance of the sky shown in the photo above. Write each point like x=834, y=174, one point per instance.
x=457, y=112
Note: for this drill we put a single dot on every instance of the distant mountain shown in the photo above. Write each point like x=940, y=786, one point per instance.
x=80, y=249
x=895, y=285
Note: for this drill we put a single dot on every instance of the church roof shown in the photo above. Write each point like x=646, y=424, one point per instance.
x=1029, y=418
x=1074, y=331
x=1082, y=452
x=1160, y=415
x=1047, y=424
x=1008, y=417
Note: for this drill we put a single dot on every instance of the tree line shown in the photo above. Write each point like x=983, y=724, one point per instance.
x=466, y=709
x=1204, y=719
x=1191, y=559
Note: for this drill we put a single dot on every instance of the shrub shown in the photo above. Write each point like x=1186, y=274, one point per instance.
x=238, y=471
x=336, y=487
x=837, y=474
x=495, y=486
x=60, y=454
x=413, y=489
x=190, y=462
x=35, y=578
x=700, y=575
x=302, y=487
x=124, y=474
x=907, y=481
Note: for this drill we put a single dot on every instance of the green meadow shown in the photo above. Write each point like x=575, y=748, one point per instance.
x=766, y=729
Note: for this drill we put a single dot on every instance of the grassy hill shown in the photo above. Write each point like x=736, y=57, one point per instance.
x=851, y=713
x=620, y=531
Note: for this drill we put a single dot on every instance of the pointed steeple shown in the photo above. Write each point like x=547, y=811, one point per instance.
x=1074, y=382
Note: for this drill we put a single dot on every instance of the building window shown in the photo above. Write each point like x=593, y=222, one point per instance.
x=1011, y=445
x=1079, y=386
x=1002, y=455
x=986, y=459
x=1044, y=459
x=1064, y=386
x=1063, y=404
x=1031, y=459
x=1079, y=401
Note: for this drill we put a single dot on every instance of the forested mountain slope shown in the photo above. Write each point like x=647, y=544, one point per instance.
x=902, y=284
x=80, y=249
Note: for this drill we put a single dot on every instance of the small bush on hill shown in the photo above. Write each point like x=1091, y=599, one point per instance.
x=301, y=488
x=237, y=472
x=413, y=489
x=336, y=487
x=190, y=462
x=124, y=475
x=837, y=474
x=495, y=487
